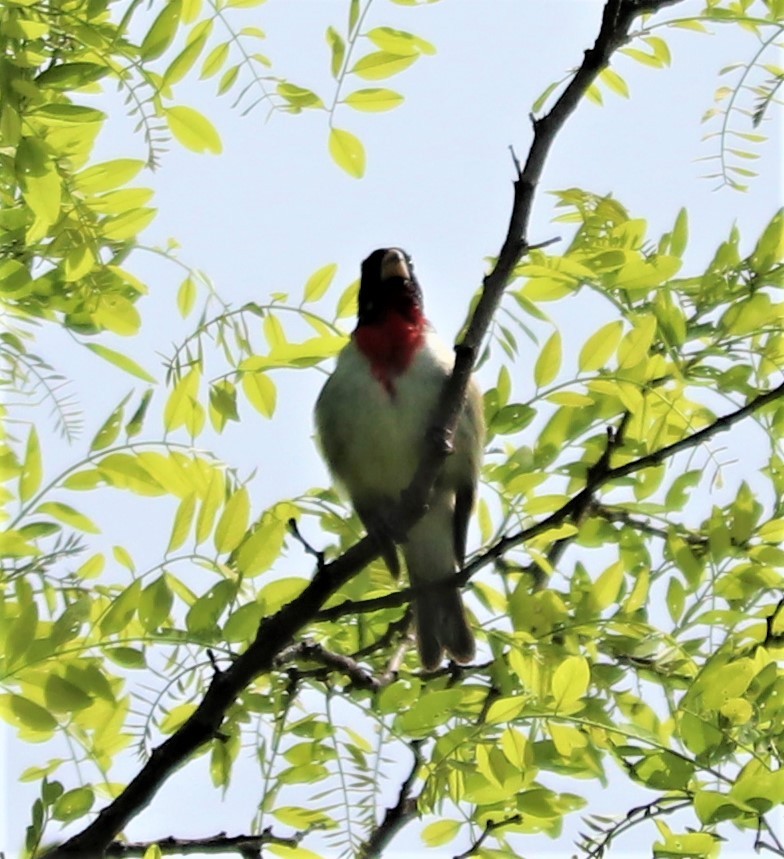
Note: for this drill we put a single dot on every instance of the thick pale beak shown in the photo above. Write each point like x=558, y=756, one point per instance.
x=394, y=264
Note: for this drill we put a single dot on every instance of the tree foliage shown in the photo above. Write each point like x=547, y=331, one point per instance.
x=628, y=629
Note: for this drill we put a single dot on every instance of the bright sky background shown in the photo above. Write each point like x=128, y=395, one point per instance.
x=274, y=208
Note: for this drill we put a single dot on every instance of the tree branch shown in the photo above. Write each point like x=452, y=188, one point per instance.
x=396, y=817
x=597, y=478
x=248, y=846
x=277, y=631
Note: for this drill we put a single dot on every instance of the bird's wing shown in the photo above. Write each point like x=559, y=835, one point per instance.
x=464, y=504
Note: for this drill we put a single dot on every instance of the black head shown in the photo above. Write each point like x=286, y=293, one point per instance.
x=388, y=283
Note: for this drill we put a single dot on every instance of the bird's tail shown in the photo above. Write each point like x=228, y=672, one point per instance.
x=441, y=625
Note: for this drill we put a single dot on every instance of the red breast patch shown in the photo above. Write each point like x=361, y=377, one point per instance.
x=390, y=346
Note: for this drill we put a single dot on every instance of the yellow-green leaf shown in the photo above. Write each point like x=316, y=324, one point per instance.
x=180, y=404
x=162, y=32
x=338, y=50
x=65, y=513
x=110, y=429
x=605, y=589
x=318, y=283
x=193, y=129
x=549, y=361
x=233, y=521
x=186, y=296
x=262, y=547
x=121, y=361
x=614, y=82
x=600, y=346
x=210, y=506
x=441, y=832
x=183, y=519
x=570, y=682
x=261, y=392
x=347, y=152
x=374, y=100
x=62, y=696
x=215, y=59
x=122, y=609
x=382, y=64
x=32, y=468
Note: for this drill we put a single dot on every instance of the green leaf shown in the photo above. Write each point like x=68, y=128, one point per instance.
x=382, y=64
x=186, y=296
x=347, y=152
x=185, y=60
x=512, y=418
x=233, y=521
x=62, y=696
x=122, y=609
x=399, y=41
x=428, y=712
x=260, y=391
x=42, y=194
x=769, y=250
x=374, y=99
x=261, y=549
x=635, y=345
x=504, y=710
x=203, y=615
x=162, y=32
x=215, y=60
x=121, y=361
x=676, y=598
x=67, y=514
x=299, y=97
x=74, y=804
x=441, y=832
x=614, y=82
x=680, y=234
x=223, y=403
x=605, y=589
x=19, y=710
x=155, y=603
x=107, y=175
x=319, y=282
x=242, y=624
x=193, y=130
x=183, y=519
x=134, y=425
x=213, y=499
x=126, y=657
x=570, y=683
x=182, y=404
x=337, y=48
x=600, y=346
x=549, y=361
x=32, y=468
x=110, y=429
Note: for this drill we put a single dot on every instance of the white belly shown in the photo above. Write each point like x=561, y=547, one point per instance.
x=378, y=436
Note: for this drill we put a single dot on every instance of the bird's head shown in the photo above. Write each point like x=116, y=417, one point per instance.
x=388, y=285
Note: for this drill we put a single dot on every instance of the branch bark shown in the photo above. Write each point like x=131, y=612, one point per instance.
x=277, y=632
x=396, y=817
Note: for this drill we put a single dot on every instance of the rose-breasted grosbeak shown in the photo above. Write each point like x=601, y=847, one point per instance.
x=373, y=416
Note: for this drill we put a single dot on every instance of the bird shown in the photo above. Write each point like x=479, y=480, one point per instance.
x=373, y=417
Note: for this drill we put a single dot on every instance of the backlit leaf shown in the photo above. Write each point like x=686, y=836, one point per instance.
x=32, y=468
x=193, y=129
x=319, y=282
x=347, y=152
x=549, y=361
